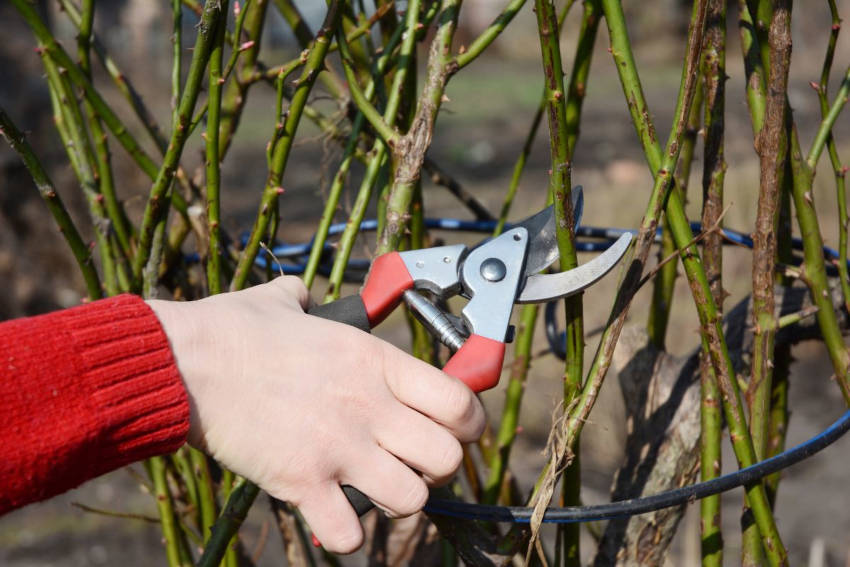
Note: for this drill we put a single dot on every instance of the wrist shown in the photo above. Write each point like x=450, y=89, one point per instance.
x=184, y=331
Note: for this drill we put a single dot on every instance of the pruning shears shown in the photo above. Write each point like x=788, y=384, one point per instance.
x=493, y=276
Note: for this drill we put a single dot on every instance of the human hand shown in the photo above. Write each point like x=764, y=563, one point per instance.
x=301, y=405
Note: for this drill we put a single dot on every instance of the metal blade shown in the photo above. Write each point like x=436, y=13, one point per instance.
x=544, y=287
x=542, y=234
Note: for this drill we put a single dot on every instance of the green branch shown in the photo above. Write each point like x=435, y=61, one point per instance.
x=560, y=193
x=714, y=170
x=489, y=35
x=268, y=202
x=408, y=153
x=81, y=252
x=213, y=165
x=156, y=209
x=838, y=168
x=70, y=124
x=771, y=145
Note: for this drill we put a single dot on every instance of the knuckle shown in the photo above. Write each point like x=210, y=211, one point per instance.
x=414, y=500
x=478, y=427
x=452, y=457
x=293, y=287
x=293, y=283
x=460, y=403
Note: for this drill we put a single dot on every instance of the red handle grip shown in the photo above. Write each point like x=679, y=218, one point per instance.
x=387, y=281
x=478, y=363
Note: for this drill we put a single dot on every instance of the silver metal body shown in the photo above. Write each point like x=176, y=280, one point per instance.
x=435, y=269
x=488, y=312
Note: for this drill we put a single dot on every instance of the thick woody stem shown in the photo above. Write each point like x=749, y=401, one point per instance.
x=377, y=158
x=378, y=153
x=408, y=153
x=771, y=145
x=803, y=178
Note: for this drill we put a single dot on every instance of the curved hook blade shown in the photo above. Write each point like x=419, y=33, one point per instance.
x=542, y=233
x=544, y=287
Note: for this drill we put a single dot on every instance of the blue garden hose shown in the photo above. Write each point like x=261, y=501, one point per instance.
x=634, y=506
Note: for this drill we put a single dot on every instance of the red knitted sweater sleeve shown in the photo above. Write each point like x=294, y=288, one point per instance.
x=82, y=392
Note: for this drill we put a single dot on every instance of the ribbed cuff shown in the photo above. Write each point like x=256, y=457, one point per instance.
x=84, y=391
x=135, y=392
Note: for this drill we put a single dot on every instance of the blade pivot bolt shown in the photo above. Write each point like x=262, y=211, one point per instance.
x=493, y=270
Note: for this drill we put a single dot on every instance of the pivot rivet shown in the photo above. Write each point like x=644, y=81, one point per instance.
x=493, y=270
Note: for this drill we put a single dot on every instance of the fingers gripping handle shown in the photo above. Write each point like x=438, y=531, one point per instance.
x=386, y=283
x=478, y=363
x=359, y=501
x=352, y=311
